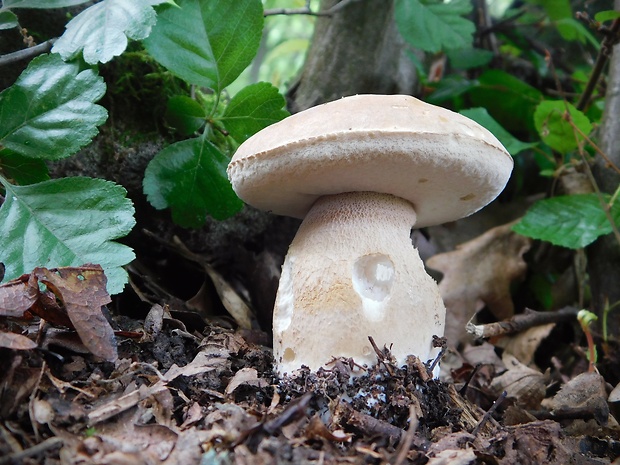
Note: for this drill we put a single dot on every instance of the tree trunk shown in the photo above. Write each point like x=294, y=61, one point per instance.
x=354, y=51
x=604, y=254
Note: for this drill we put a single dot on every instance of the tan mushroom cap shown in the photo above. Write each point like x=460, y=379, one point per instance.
x=445, y=164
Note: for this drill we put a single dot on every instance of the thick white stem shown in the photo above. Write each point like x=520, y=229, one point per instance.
x=352, y=272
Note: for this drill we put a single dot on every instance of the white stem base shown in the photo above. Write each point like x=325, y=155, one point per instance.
x=352, y=272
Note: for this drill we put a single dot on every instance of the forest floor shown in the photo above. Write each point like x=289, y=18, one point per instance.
x=177, y=389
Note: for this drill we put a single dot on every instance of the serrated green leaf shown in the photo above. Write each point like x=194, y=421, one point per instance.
x=102, y=30
x=190, y=178
x=207, y=43
x=508, y=99
x=44, y=4
x=512, y=144
x=49, y=112
x=555, y=130
x=23, y=170
x=607, y=15
x=66, y=222
x=572, y=221
x=185, y=114
x=253, y=108
x=8, y=20
x=433, y=26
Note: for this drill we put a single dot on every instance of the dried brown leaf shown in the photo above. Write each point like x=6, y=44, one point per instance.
x=246, y=376
x=17, y=296
x=524, y=384
x=82, y=291
x=478, y=273
x=16, y=342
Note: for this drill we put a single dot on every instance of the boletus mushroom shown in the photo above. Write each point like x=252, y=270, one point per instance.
x=362, y=171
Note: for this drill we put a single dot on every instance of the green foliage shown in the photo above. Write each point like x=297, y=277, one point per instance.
x=207, y=43
x=41, y=4
x=433, y=25
x=252, y=109
x=49, y=112
x=190, y=178
x=66, y=222
x=572, y=221
x=8, y=20
x=560, y=125
x=101, y=31
x=512, y=144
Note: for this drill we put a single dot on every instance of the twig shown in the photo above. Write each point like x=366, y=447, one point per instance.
x=488, y=414
x=381, y=356
x=603, y=55
x=306, y=10
x=17, y=457
x=407, y=440
x=26, y=53
x=521, y=322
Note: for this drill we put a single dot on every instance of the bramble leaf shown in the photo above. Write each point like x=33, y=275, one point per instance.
x=572, y=221
x=39, y=4
x=253, y=108
x=102, y=30
x=207, y=43
x=433, y=26
x=66, y=222
x=49, y=112
x=190, y=178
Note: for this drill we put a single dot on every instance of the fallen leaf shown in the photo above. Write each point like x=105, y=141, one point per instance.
x=523, y=345
x=17, y=296
x=16, y=342
x=453, y=457
x=524, y=384
x=82, y=291
x=586, y=392
x=246, y=376
x=478, y=273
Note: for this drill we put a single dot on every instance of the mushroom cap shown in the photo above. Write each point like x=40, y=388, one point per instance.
x=445, y=164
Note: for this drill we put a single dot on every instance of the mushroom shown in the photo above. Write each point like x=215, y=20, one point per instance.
x=362, y=171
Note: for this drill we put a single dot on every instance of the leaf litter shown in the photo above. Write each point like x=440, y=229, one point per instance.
x=168, y=391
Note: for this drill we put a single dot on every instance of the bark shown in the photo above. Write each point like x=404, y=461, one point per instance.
x=354, y=51
x=604, y=254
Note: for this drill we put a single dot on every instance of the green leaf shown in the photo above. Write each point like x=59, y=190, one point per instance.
x=23, y=170
x=570, y=29
x=450, y=87
x=607, y=15
x=572, y=221
x=512, y=144
x=190, y=178
x=66, y=222
x=555, y=130
x=185, y=114
x=207, y=43
x=434, y=25
x=49, y=112
x=102, y=30
x=253, y=108
x=508, y=99
x=45, y=4
x=8, y=20
x=469, y=58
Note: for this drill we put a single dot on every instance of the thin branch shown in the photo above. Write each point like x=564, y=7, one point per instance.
x=603, y=55
x=306, y=10
x=27, y=53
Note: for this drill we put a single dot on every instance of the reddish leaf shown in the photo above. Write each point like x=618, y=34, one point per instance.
x=16, y=342
x=17, y=296
x=82, y=291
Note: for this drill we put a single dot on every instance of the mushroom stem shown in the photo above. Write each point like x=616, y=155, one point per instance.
x=352, y=272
